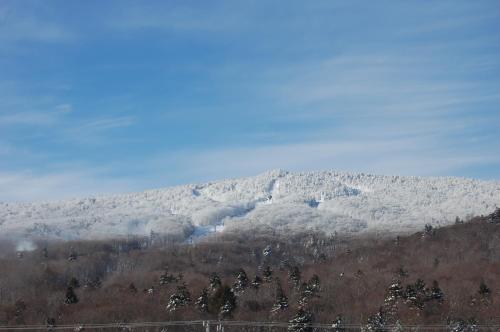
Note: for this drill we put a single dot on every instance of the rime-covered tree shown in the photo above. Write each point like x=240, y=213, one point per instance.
x=180, y=298
x=301, y=322
x=71, y=297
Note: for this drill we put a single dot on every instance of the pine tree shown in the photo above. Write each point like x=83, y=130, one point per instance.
x=70, y=296
x=202, y=301
x=267, y=274
x=484, y=292
x=301, y=322
x=429, y=230
x=338, y=324
x=228, y=303
x=74, y=283
x=256, y=282
x=214, y=281
x=167, y=278
x=281, y=301
x=435, y=293
x=415, y=294
x=483, y=289
x=460, y=325
x=180, y=298
x=241, y=281
x=72, y=256
x=394, y=292
x=294, y=276
x=132, y=288
x=267, y=251
x=376, y=322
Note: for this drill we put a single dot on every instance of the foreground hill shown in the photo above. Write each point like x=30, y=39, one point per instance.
x=444, y=276
x=280, y=200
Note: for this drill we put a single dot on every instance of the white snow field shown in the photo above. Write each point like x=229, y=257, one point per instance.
x=277, y=201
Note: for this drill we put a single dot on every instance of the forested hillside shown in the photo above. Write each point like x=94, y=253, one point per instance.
x=447, y=275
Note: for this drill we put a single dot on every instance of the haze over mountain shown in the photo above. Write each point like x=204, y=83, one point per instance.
x=276, y=200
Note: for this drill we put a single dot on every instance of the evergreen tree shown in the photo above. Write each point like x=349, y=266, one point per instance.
x=267, y=251
x=72, y=256
x=294, y=276
x=394, y=292
x=241, y=281
x=74, y=283
x=214, y=281
x=202, y=301
x=460, y=325
x=267, y=274
x=180, y=298
x=301, y=322
x=435, y=293
x=70, y=296
x=484, y=291
x=281, y=301
x=51, y=322
x=415, y=294
x=228, y=303
x=376, y=322
x=19, y=308
x=338, y=324
x=256, y=282
x=132, y=288
x=167, y=278
x=429, y=230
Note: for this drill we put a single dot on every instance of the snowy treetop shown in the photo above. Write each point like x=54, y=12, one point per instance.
x=279, y=200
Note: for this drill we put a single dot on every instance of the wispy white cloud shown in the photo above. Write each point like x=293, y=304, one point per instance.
x=95, y=131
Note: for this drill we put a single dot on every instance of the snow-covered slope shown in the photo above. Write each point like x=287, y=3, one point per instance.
x=278, y=200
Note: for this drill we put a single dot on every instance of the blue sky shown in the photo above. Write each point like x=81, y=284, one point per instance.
x=113, y=96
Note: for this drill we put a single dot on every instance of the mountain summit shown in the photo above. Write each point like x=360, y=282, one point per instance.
x=276, y=200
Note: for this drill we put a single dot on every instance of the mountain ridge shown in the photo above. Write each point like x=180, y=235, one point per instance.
x=277, y=200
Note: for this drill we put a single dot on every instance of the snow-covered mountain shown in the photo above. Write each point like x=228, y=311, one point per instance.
x=275, y=200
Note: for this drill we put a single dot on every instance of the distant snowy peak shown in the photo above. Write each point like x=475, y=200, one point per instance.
x=279, y=200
